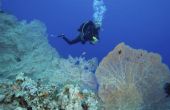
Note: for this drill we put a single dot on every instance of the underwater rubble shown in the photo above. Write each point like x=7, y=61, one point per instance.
x=27, y=94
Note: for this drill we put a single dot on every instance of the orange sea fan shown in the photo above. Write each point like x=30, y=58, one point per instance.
x=131, y=79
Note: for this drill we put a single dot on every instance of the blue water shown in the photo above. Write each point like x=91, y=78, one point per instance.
x=141, y=24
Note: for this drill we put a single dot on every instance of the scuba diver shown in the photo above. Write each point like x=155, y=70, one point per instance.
x=88, y=32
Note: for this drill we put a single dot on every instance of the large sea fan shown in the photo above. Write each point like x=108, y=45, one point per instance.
x=131, y=79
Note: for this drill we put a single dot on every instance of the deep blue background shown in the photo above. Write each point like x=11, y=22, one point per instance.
x=141, y=24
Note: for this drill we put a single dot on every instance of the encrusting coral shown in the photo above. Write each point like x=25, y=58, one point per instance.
x=27, y=94
x=131, y=79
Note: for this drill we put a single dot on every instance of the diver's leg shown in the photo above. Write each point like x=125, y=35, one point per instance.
x=74, y=41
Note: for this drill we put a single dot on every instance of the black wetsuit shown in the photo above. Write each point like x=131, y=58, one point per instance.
x=87, y=31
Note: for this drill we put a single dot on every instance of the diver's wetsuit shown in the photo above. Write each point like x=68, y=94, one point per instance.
x=74, y=41
x=87, y=31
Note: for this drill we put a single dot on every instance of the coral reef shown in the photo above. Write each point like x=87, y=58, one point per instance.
x=74, y=70
x=27, y=94
x=22, y=45
x=131, y=79
x=24, y=48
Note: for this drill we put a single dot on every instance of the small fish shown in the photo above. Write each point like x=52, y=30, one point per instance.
x=84, y=53
x=51, y=35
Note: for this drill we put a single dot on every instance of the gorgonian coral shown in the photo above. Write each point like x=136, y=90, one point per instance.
x=131, y=79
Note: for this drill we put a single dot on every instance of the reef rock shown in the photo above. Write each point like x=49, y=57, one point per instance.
x=132, y=79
